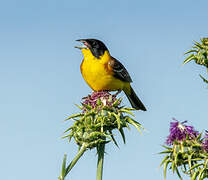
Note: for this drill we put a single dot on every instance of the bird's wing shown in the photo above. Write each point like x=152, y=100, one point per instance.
x=119, y=70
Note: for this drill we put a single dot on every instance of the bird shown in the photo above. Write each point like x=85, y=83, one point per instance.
x=102, y=72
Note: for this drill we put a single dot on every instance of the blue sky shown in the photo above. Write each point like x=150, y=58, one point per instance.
x=40, y=81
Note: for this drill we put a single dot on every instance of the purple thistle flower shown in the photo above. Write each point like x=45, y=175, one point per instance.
x=106, y=98
x=205, y=142
x=180, y=131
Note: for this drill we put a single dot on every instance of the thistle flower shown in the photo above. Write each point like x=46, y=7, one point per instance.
x=180, y=131
x=104, y=96
x=101, y=114
x=188, y=153
x=205, y=142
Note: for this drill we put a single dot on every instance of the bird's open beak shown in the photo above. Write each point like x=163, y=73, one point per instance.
x=84, y=45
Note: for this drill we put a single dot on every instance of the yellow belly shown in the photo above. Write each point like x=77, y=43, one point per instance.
x=98, y=77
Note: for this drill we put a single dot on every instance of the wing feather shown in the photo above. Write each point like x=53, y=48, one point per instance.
x=119, y=70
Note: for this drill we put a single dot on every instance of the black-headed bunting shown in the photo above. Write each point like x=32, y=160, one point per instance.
x=102, y=72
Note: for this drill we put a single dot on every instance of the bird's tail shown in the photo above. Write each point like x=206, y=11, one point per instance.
x=133, y=99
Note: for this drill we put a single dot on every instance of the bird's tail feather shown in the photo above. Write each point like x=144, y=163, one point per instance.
x=134, y=100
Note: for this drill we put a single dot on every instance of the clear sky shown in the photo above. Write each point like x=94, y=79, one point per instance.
x=40, y=81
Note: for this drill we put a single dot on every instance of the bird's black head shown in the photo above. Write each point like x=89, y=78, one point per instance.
x=96, y=47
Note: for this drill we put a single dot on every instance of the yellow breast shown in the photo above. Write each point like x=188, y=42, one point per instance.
x=97, y=74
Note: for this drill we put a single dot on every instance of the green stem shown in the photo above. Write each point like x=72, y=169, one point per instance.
x=100, y=151
x=74, y=161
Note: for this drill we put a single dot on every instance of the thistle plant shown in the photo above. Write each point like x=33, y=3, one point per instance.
x=100, y=114
x=199, y=53
x=186, y=151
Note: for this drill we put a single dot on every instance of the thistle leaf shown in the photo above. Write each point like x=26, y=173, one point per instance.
x=114, y=140
x=165, y=168
x=129, y=109
x=195, y=166
x=74, y=116
x=123, y=135
x=201, y=173
x=177, y=171
x=168, y=148
x=87, y=106
x=176, y=158
x=194, y=176
x=165, y=152
x=126, y=111
x=198, y=45
x=173, y=167
x=189, y=58
x=193, y=50
x=66, y=136
x=165, y=159
x=199, y=136
x=80, y=107
x=189, y=160
x=127, y=126
x=117, y=116
x=68, y=129
x=205, y=80
x=135, y=124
